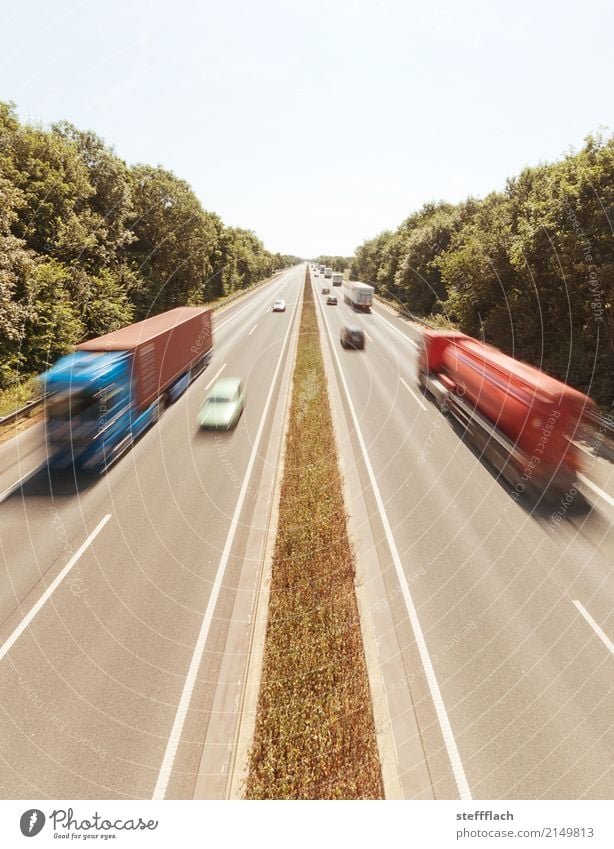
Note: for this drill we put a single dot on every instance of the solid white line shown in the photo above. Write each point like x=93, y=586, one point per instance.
x=213, y=379
x=400, y=332
x=444, y=721
x=252, y=330
x=257, y=297
x=184, y=702
x=602, y=636
x=25, y=622
x=14, y=487
x=368, y=337
x=607, y=498
x=415, y=394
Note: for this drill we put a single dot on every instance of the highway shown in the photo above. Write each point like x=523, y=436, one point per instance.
x=108, y=690
x=491, y=625
x=491, y=622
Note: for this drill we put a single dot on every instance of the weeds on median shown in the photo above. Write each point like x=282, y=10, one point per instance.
x=314, y=737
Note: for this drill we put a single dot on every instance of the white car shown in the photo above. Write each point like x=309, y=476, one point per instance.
x=279, y=306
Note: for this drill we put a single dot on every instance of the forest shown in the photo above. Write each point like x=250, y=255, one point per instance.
x=89, y=244
x=529, y=268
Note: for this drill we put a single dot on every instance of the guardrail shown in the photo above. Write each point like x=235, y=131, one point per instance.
x=22, y=411
x=31, y=405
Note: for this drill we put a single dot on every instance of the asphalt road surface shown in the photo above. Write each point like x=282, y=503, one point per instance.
x=494, y=624
x=107, y=691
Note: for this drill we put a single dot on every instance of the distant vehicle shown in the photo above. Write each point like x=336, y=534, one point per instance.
x=358, y=295
x=322, y=269
x=316, y=274
x=332, y=299
x=337, y=279
x=223, y=405
x=111, y=389
x=279, y=305
x=352, y=336
x=521, y=420
x=325, y=290
x=328, y=272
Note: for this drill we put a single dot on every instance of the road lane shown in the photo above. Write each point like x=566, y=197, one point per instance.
x=99, y=674
x=521, y=675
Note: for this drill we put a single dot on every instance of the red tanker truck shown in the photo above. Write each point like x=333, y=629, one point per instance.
x=522, y=420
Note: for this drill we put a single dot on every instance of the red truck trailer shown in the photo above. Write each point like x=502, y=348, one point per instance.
x=521, y=419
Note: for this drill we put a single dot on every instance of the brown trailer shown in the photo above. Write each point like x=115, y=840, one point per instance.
x=164, y=347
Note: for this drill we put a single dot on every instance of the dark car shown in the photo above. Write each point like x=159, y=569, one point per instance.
x=332, y=299
x=325, y=290
x=352, y=337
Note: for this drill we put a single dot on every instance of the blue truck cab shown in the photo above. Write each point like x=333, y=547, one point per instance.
x=90, y=411
x=104, y=395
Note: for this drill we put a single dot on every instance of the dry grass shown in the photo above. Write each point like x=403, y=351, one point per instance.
x=314, y=737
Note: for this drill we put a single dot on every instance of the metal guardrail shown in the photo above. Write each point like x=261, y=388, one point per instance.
x=31, y=405
x=22, y=411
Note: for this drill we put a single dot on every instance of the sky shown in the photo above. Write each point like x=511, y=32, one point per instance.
x=318, y=124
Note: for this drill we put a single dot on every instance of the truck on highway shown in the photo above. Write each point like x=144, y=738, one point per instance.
x=328, y=272
x=523, y=421
x=358, y=295
x=337, y=278
x=106, y=393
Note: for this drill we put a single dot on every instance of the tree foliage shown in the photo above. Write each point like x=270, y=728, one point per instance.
x=530, y=268
x=89, y=244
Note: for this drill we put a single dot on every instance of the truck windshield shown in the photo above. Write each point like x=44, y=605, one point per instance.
x=66, y=406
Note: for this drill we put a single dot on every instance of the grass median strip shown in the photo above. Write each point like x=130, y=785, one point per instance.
x=314, y=736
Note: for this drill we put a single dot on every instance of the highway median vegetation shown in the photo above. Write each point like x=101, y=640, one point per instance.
x=315, y=736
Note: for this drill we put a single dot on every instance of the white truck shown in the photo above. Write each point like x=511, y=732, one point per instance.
x=337, y=278
x=328, y=272
x=358, y=295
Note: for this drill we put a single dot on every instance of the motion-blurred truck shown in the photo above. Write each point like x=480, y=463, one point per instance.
x=522, y=421
x=328, y=272
x=358, y=295
x=337, y=278
x=106, y=393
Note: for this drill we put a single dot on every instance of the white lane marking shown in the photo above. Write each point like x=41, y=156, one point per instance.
x=25, y=622
x=400, y=332
x=440, y=708
x=252, y=330
x=215, y=377
x=14, y=487
x=184, y=702
x=600, y=633
x=251, y=301
x=596, y=489
x=583, y=448
x=415, y=394
x=368, y=337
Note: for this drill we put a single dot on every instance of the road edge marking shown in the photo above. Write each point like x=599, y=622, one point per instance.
x=427, y=664
x=596, y=628
x=181, y=713
x=246, y=725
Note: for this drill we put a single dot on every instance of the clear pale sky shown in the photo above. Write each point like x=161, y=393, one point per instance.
x=318, y=124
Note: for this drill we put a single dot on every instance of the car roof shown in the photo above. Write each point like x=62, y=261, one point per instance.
x=225, y=385
x=353, y=328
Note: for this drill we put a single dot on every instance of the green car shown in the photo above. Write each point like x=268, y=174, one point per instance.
x=223, y=405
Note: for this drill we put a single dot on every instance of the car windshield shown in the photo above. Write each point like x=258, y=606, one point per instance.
x=219, y=399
